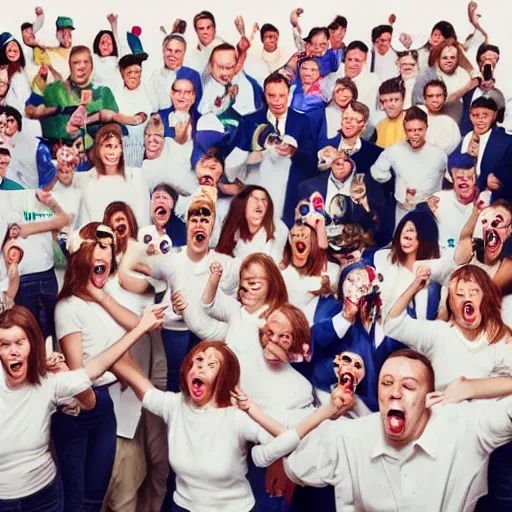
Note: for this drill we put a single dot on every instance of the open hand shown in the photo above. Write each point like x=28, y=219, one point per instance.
x=153, y=317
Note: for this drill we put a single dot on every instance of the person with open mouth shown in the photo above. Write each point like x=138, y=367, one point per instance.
x=251, y=226
x=88, y=320
x=121, y=220
x=448, y=445
x=31, y=393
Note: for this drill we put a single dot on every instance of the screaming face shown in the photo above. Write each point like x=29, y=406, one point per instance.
x=14, y=354
x=349, y=369
x=202, y=376
x=102, y=262
x=253, y=289
x=496, y=227
x=162, y=205
x=465, y=299
x=300, y=241
x=199, y=229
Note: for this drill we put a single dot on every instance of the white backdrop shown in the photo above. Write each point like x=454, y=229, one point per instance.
x=414, y=16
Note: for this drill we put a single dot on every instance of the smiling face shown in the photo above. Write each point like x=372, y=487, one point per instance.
x=350, y=369
x=403, y=388
x=416, y=133
x=183, y=95
x=464, y=184
x=5, y=160
x=277, y=95
x=482, y=119
x=318, y=46
x=209, y=172
x=201, y=377
x=205, y=30
x=222, y=66
x=27, y=35
x=336, y=36
x=448, y=60
x=256, y=208
x=14, y=354
x=270, y=41
x=132, y=76
x=162, y=205
x=436, y=38
x=300, y=240
x=496, y=228
x=355, y=60
x=102, y=263
x=465, y=299
x=199, y=231
x=356, y=285
x=174, y=53
x=392, y=103
x=342, y=96
x=254, y=287
x=352, y=123
x=434, y=99
x=12, y=51
x=106, y=46
x=409, y=242
x=110, y=152
x=80, y=65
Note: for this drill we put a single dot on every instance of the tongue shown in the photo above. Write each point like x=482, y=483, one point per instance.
x=396, y=424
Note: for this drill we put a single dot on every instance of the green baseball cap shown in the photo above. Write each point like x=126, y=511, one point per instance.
x=64, y=22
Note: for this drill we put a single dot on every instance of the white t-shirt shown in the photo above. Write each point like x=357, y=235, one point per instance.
x=26, y=464
x=208, y=452
x=98, y=329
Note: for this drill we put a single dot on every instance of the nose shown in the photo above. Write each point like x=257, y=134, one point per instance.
x=396, y=391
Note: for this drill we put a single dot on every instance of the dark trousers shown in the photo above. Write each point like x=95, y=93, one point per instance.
x=38, y=293
x=258, y=479
x=86, y=446
x=48, y=499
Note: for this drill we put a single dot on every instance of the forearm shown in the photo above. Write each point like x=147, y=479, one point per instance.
x=12, y=288
x=123, y=316
x=312, y=421
x=129, y=372
x=491, y=387
x=267, y=422
x=454, y=96
x=210, y=290
x=403, y=301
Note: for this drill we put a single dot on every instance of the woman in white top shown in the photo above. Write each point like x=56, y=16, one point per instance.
x=88, y=321
x=250, y=226
x=29, y=395
x=110, y=180
x=309, y=277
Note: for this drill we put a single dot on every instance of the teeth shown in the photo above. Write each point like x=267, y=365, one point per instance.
x=100, y=269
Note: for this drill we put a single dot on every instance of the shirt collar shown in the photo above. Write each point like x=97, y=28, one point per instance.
x=271, y=118
x=355, y=149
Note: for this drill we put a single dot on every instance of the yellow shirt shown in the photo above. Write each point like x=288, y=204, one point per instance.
x=390, y=131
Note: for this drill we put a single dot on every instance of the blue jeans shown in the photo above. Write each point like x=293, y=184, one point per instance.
x=177, y=508
x=177, y=345
x=86, y=447
x=48, y=499
x=38, y=293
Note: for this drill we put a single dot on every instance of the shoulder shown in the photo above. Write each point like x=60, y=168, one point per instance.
x=69, y=304
x=370, y=147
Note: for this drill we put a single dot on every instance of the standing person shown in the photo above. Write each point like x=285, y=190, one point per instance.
x=206, y=30
x=391, y=96
x=271, y=54
x=408, y=66
x=383, y=57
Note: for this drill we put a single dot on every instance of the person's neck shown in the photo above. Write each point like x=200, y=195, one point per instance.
x=196, y=256
x=253, y=228
x=277, y=115
x=415, y=435
x=335, y=45
x=350, y=141
x=468, y=200
x=306, y=87
x=160, y=229
x=254, y=308
x=469, y=334
x=410, y=260
x=111, y=170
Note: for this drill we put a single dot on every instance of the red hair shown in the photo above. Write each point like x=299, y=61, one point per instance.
x=236, y=221
x=21, y=317
x=490, y=309
x=227, y=378
x=277, y=293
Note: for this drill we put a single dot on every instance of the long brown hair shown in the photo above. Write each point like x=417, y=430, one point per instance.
x=21, y=317
x=490, y=309
x=78, y=269
x=317, y=259
x=106, y=132
x=227, y=378
x=277, y=293
x=236, y=221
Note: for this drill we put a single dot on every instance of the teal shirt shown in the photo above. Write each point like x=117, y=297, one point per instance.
x=7, y=184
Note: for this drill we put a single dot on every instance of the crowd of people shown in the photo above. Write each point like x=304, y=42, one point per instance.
x=253, y=279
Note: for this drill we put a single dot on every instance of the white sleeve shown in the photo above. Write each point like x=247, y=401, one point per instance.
x=223, y=307
x=235, y=164
x=503, y=359
x=38, y=23
x=161, y=266
x=381, y=169
x=249, y=430
x=69, y=384
x=440, y=268
x=340, y=325
x=161, y=403
x=280, y=239
x=230, y=278
x=67, y=319
x=297, y=39
x=264, y=455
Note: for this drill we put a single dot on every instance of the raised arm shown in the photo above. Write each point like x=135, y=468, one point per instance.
x=464, y=249
x=212, y=285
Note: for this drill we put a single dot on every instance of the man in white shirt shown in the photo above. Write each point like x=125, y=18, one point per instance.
x=206, y=30
x=418, y=166
x=419, y=459
x=383, y=58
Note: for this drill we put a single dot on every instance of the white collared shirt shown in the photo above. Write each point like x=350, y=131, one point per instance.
x=271, y=118
x=335, y=187
x=483, y=143
x=442, y=471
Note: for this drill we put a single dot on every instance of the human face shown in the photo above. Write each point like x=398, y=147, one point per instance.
x=205, y=30
x=318, y=46
x=102, y=263
x=132, y=76
x=222, y=66
x=199, y=231
x=309, y=72
x=393, y=104
x=351, y=370
x=5, y=160
x=256, y=208
x=174, y=53
x=66, y=161
x=12, y=51
x=120, y=226
x=183, y=95
x=276, y=338
x=434, y=99
x=482, y=119
x=488, y=57
x=409, y=239
x=383, y=43
x=354, y=62
x=464, y=184
x=154, y=144
x=416, y=132
x=14, y=353
x=202, y=376
x=65, y=37
x=111, y=150
x=4, y=84
x=356, y=285
x=209, y=172
x=14, y=255
x=253, y=289
x=465, y=298
x=436, y=38
x=352, y=123
x=336, y=36
x=106, y=46
x=301, y=245
x=448, y=60
x=162, y=205
x=11, y=126
x=270, y=41
x=81, y=68
x=496, y=228
x=28, y=36
x=403, y=388
x=408, y=67
x=341, y=168
x=342, y=96
x=277, y=95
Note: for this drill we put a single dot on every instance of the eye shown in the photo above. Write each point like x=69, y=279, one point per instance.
x=358, y=365
x=200, y=359
x=386, y=382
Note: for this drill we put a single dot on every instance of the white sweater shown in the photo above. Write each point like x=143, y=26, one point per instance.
x=273, y=248
x=26, y=464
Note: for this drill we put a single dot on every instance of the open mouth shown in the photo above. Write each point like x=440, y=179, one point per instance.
x=200, y=238
x=468, y=311
x=15, y=367
x=206, y=181
x=121, y=229
x=396, y=421
x=301, y=247
x=347, y=380
x=197, y=387
x=492, y=240
x=160, y=211
x=100, y=275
